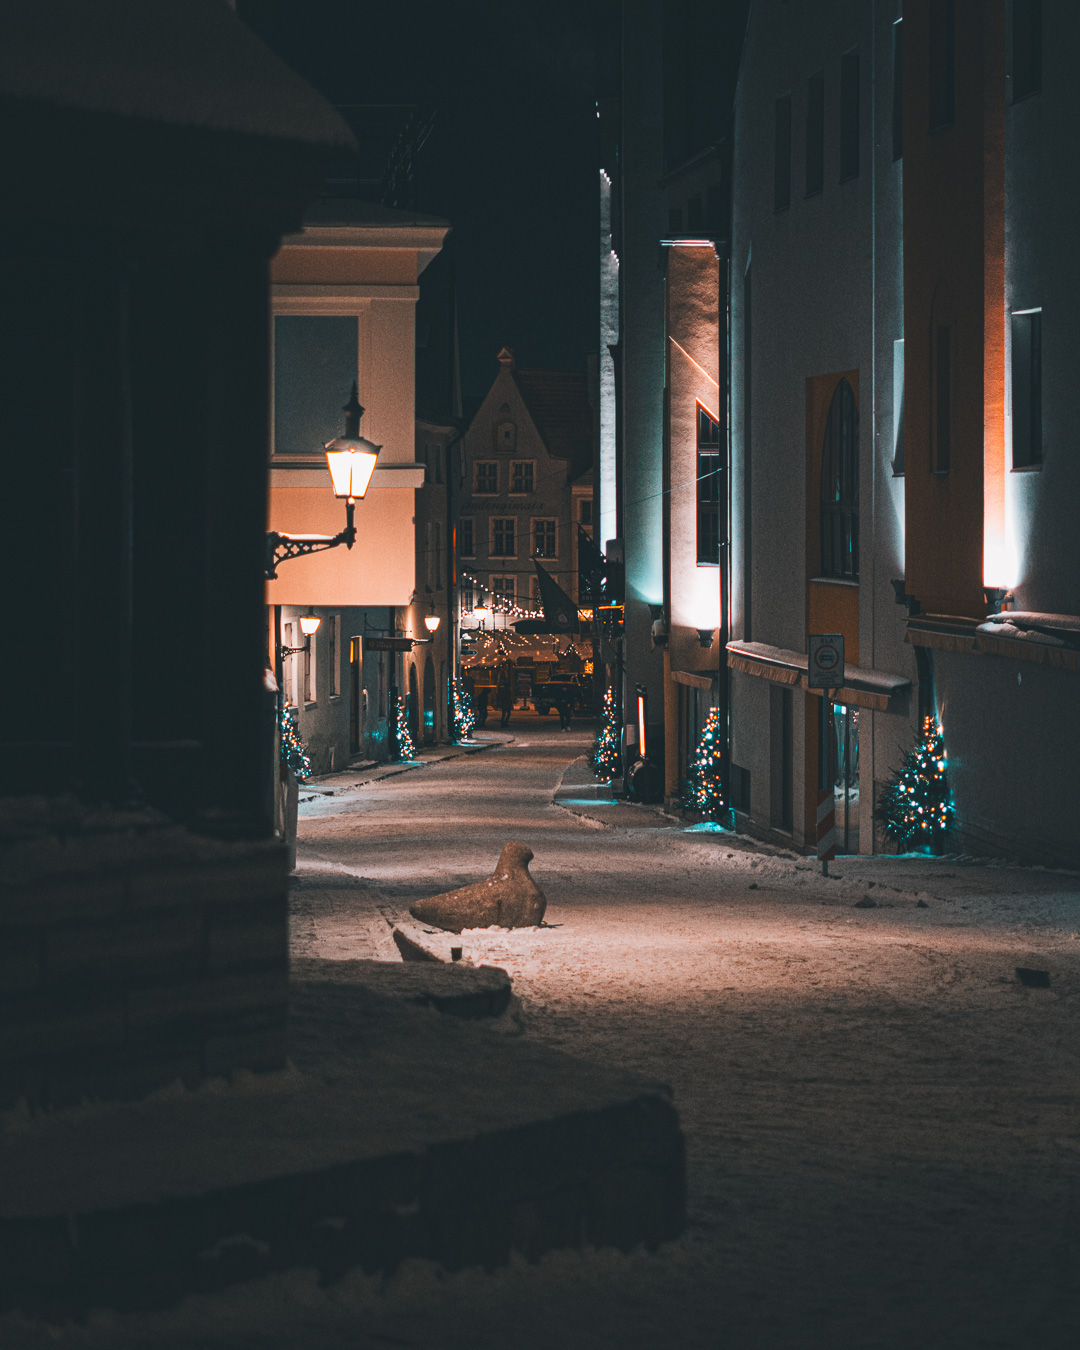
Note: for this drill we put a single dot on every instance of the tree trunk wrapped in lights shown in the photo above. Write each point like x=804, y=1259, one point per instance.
x=293, y=754
x=605, y=755
x=916, y=806
x=703, y=792
x=403, y=747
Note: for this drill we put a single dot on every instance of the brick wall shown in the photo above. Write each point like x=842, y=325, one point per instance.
x=133, y=953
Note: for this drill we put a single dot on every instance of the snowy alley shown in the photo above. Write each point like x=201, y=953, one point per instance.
x=881, y=1118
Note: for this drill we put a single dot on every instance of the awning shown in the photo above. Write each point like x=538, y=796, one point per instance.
x=1049, y=639
x=695, y=679
x=862, y=687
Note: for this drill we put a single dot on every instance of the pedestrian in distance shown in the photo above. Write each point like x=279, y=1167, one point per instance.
x=481, y=706
x=504, y=701
x=564, y=706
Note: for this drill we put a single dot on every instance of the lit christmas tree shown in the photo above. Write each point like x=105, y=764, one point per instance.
x=605, y=755
x=464, y=717
x=916, y=805
x=403, y=742
x=293, y=754
x=703, y=780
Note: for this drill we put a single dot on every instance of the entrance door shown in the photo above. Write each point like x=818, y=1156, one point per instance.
x=846, y=776
x=429, y=701
x=412, y=710
x=356, y=674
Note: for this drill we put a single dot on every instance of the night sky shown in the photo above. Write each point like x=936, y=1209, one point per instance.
x=511, y=161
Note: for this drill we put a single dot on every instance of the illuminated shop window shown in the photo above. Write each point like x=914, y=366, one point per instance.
x=709, y=485
x=840, y=488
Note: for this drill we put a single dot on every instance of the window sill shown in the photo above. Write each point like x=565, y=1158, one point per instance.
x=1027, y=468
x=834, y=581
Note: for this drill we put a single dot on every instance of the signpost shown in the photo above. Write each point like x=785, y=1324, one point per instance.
x=825, y=671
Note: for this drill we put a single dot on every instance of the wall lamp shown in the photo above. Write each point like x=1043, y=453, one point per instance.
x=351, y=461
x=996, y=599
x=705, y=637
x=309, y=626
x=431, y=622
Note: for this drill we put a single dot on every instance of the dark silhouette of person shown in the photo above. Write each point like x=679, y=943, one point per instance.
x=481, y=706
x=504, y=700
x=564, y=705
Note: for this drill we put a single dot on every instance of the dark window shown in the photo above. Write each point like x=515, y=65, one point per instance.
x=1026, y=48
x=694, y=215
x=674, y=220
x=544, y=539
x=782, y=155
x=504, y=538
x=315, y=365
x=941, y=441
x=942, y=64
x=1026, y=390
x=781, y=757
x=840, y=488
x=849, y=115
x=709, y=484
x=898, y=89
x=715, y=214
x=466, y=543
x=815, y=134
x=521, y=479
x=487, y=477
x=437, y=452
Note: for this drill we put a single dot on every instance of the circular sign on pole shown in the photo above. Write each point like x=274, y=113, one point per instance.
x=825, y=661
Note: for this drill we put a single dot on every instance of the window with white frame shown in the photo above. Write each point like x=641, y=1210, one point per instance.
x=468, y=595
x=545, y=538
x=504, y=537
x=486, y=477
x=522, y=475
x=333, y=653
x=308, y=658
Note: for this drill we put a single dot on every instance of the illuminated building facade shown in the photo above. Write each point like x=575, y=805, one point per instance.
x=896, y=400
x=344, y=302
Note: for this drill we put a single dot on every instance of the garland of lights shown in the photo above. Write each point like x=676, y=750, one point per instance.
x=293, y=754
x=464, y=717
x=703, y=792
x=403, y=741
x=605, y=753
x=916, y=805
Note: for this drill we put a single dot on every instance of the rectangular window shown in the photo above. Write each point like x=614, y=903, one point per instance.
x=849, y=115
x=437, y=454
x=486, y=477
x=585, y=511
x=942, y=72
x=815, y=134
x=292, y=668
x=504, y=538
x=521, y=475
x=1027, y=389
x=308, y=659
x=782, y=155
x=544, y=539
x=898, y=90
x=468, y=600
x=1026, y=48
x=466, y=538
x=333, y=653
x=942, y=395
x=438, y=558
x=502, y=592
x=315, y=364
x=709, y=483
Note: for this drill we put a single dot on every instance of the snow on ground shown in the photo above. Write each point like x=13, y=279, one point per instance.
x=882, y=1121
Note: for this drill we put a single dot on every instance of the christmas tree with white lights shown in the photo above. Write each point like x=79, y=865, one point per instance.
x=916, y=805
x=293, y=754
x=464, y=717
x=703, y=789
x=403, y=741
x=605, y=754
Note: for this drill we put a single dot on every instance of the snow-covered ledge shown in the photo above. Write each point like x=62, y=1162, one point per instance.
x=862, y=687
x=1024, y=635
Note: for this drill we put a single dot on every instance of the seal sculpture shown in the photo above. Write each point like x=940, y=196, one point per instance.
x=509, y=898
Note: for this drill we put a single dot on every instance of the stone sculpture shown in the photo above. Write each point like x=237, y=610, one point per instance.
x=509, y=898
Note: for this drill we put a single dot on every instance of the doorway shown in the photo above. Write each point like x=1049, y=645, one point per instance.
x=412, y=710
x=356, y=675
x=429, y=701
x=845, y=721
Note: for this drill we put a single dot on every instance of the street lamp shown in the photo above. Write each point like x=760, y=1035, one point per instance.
x=431, y=622
x=351, y=461
x=309, y=626
x=481, y=614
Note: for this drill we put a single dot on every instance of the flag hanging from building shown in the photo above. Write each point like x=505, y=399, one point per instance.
x=560, y=612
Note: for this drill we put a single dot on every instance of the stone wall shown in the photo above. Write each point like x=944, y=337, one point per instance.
x=134, y=954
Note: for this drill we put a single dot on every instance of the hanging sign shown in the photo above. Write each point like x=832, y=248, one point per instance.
x=825, y=667
x=388, y=644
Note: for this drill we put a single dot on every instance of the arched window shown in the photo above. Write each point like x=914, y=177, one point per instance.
x=840, y=488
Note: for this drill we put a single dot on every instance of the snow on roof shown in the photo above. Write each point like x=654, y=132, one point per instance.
x=876, y=683
x=558, y=401
x=357, y=214
x=182, y=62
x=1053, y=630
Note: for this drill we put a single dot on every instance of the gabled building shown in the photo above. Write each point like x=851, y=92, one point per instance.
x=526, y=466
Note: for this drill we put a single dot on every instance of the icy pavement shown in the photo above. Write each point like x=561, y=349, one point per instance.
x=882, y=1121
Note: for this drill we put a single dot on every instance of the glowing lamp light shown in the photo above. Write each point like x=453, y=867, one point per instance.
x=351, y=458
x=431, y=622
x=309, y=624
x=481, y=613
